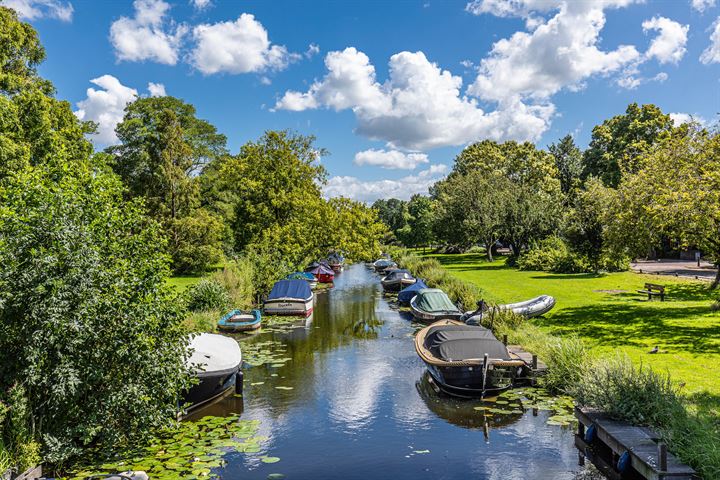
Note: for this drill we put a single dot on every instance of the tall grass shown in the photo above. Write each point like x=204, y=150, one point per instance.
x=435, y=276
x=237, y=277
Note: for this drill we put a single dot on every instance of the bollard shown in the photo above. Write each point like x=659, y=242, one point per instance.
x=505, y=340
x=662, y=456
x=534, y=362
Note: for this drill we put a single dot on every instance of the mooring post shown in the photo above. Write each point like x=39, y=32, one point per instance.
x=662, y=456
x=505, y=339
x=534, y=362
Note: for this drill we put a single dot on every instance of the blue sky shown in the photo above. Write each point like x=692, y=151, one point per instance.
x=392, y=89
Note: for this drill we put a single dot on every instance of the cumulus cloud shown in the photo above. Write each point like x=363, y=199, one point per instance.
x=391, y=159
x=702, y=5
x=669, y=45
x=560, y=53
x=35, y=9
x=148, y=35
x=712, y=53
x=679, y=118
x=241, y=46
x=402, y=188
x=313, y=49
x=200, y=4
x=156, y=89
x=420, y=106
x=106, y=105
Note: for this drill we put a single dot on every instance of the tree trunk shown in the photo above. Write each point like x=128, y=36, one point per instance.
x=488, y=251
x=716, y=282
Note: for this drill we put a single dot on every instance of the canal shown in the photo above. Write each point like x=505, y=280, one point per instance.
x=344, y=395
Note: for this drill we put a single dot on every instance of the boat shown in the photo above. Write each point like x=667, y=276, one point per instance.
x=407, y=293
x=396, y=280
x=336, y=262
x=290, y=297
x=383, y=264
x=467, y=361
x=529, y=308
x=240, y=321
x=432, y=304
x=307, y=276
x=215, y=361
x=323, y=274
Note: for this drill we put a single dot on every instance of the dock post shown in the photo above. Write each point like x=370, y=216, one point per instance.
x=505, y=339
x=662, y=456
x=534, y=362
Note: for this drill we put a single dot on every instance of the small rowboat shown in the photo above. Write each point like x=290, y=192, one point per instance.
x=336, y=262
x=396, y=280
x=534, y=307
x=240, y=321
x=383, y=264
x=323, y=274
x=432, y=304
x=467, y=361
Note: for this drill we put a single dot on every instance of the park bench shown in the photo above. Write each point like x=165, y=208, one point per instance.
x=652, y=289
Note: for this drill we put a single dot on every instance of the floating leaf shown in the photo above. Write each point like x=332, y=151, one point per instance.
x=269, y=459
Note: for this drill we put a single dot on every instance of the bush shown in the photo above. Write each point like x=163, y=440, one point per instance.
x=476, y=249
x=237, y=276
x=552, y=254
x=207, y=295
x=197, y=241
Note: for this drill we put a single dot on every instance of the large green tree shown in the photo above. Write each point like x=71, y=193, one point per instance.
x=420, y=220
x=393, y=212
x=568, y=161
x=619, y=142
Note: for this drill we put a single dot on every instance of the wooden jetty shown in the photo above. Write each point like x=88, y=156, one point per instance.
x=536, y=367
x=647, y=455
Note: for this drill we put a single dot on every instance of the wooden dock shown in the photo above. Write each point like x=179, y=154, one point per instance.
x=648, y=455
x=536, y=367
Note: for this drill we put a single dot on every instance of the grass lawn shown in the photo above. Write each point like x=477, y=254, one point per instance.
x=182, y=283
x=607, y=313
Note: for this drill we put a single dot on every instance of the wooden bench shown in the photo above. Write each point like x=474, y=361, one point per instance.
x=652, y=289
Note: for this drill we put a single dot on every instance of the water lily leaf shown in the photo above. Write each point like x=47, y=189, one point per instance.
x=275, y=476
x=269, y=459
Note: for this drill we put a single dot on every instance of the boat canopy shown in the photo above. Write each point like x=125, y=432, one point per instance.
x=300, y=276
x=398, y=274
x=434, y=300
x=464, y=342
x=213, y=353
x=335, y=258
x=290, y=289
x=407, y=293
x=321, y=270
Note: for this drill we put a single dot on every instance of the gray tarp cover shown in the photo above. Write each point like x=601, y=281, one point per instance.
x=434, y=300
x=464, y=342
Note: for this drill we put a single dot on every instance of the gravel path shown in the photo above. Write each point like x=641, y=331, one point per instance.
x=678, y=268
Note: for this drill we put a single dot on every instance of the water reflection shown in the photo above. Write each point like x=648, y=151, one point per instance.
x=353, y=402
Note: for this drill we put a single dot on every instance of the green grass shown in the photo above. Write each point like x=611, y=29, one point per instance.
x=182, y=283
x=608, y=314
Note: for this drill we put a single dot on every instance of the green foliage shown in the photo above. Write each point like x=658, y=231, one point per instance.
x=86, y=317
x=237, y=277
x=207, y=295
x=18, y=450
x=568, y=161
x=20, y=53
x=552, y=254
x=392, y=212
x=618, y=143
x=196, y=241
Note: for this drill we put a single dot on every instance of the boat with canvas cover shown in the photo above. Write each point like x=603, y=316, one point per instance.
x=336, y=262
x=467, y=361
x=215, y=361
x=240, y=321
x=323, y=274
x=383, y=264
x=307, y=276
x=396, y=280
x=290, y=297
x=432, y=304
x=407, y=293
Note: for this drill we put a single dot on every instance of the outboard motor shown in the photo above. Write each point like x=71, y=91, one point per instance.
x=475, y=318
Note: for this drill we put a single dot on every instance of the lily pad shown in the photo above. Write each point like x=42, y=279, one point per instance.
x=269, y=459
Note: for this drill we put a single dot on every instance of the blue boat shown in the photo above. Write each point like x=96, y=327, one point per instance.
x=307, y=276
x=407, y=293
x=240, y=321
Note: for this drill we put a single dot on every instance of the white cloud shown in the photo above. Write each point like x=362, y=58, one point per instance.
x=313, y=49
x=35, y=9
x=679, y=118
x=560, y=53
x=241, y=46
x=712, y=52
x=106, y=105
x=669, y=45
x=156, y=89
x=702, y=5
x=200, y=4
x=391, y=159
x=419, y=107
x=147, y=36
x=369, y=191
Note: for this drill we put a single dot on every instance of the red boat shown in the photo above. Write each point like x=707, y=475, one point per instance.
x=323, y=274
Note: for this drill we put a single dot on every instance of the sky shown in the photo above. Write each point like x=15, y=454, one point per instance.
x=392, y=89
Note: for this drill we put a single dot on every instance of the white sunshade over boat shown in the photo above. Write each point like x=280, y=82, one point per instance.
x=214, y=354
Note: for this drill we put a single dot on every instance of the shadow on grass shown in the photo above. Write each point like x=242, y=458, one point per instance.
x=568, y=276
x=707, y=404
x=637, y=325
x=683, y=292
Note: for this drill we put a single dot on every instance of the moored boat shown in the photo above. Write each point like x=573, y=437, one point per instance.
x=383, y=264
x=396, y=280
x=290, y=297
x=240, y=321
x=307, y=276
x=215, y=361
x=432, y=304
x=534, y=307
x=323, y=274
x=336, y=262
x=467, y=361
x=407, y=293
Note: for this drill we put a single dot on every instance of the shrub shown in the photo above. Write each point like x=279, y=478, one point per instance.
x=207, y=295
x=552, y=254
x=205, y=321
x=196, y=241
x=237, y=276
x=476, y=249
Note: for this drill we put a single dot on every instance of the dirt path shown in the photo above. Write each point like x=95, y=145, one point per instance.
x=678, y=268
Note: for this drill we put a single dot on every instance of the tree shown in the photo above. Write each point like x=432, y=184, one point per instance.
x=619, y=142
x=420, y=220
x=584, y=227
x=196, y=241
x=393, y=213
x=568, y=161
x=88, y=326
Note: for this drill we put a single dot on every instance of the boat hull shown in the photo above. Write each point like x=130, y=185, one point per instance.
x=289, y=306
x=467, y=381
x=210, y=387
x=423, y=316
x=325, y=278
x=397, y=285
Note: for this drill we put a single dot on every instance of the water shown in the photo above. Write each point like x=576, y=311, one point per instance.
x=360, y=406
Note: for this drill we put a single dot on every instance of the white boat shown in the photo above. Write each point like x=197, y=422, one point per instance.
x=529, y=308
x=396, y=280
x=290, y=297
x=215, y=361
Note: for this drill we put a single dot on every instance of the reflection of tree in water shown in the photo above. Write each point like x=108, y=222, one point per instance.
x=461, y=412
